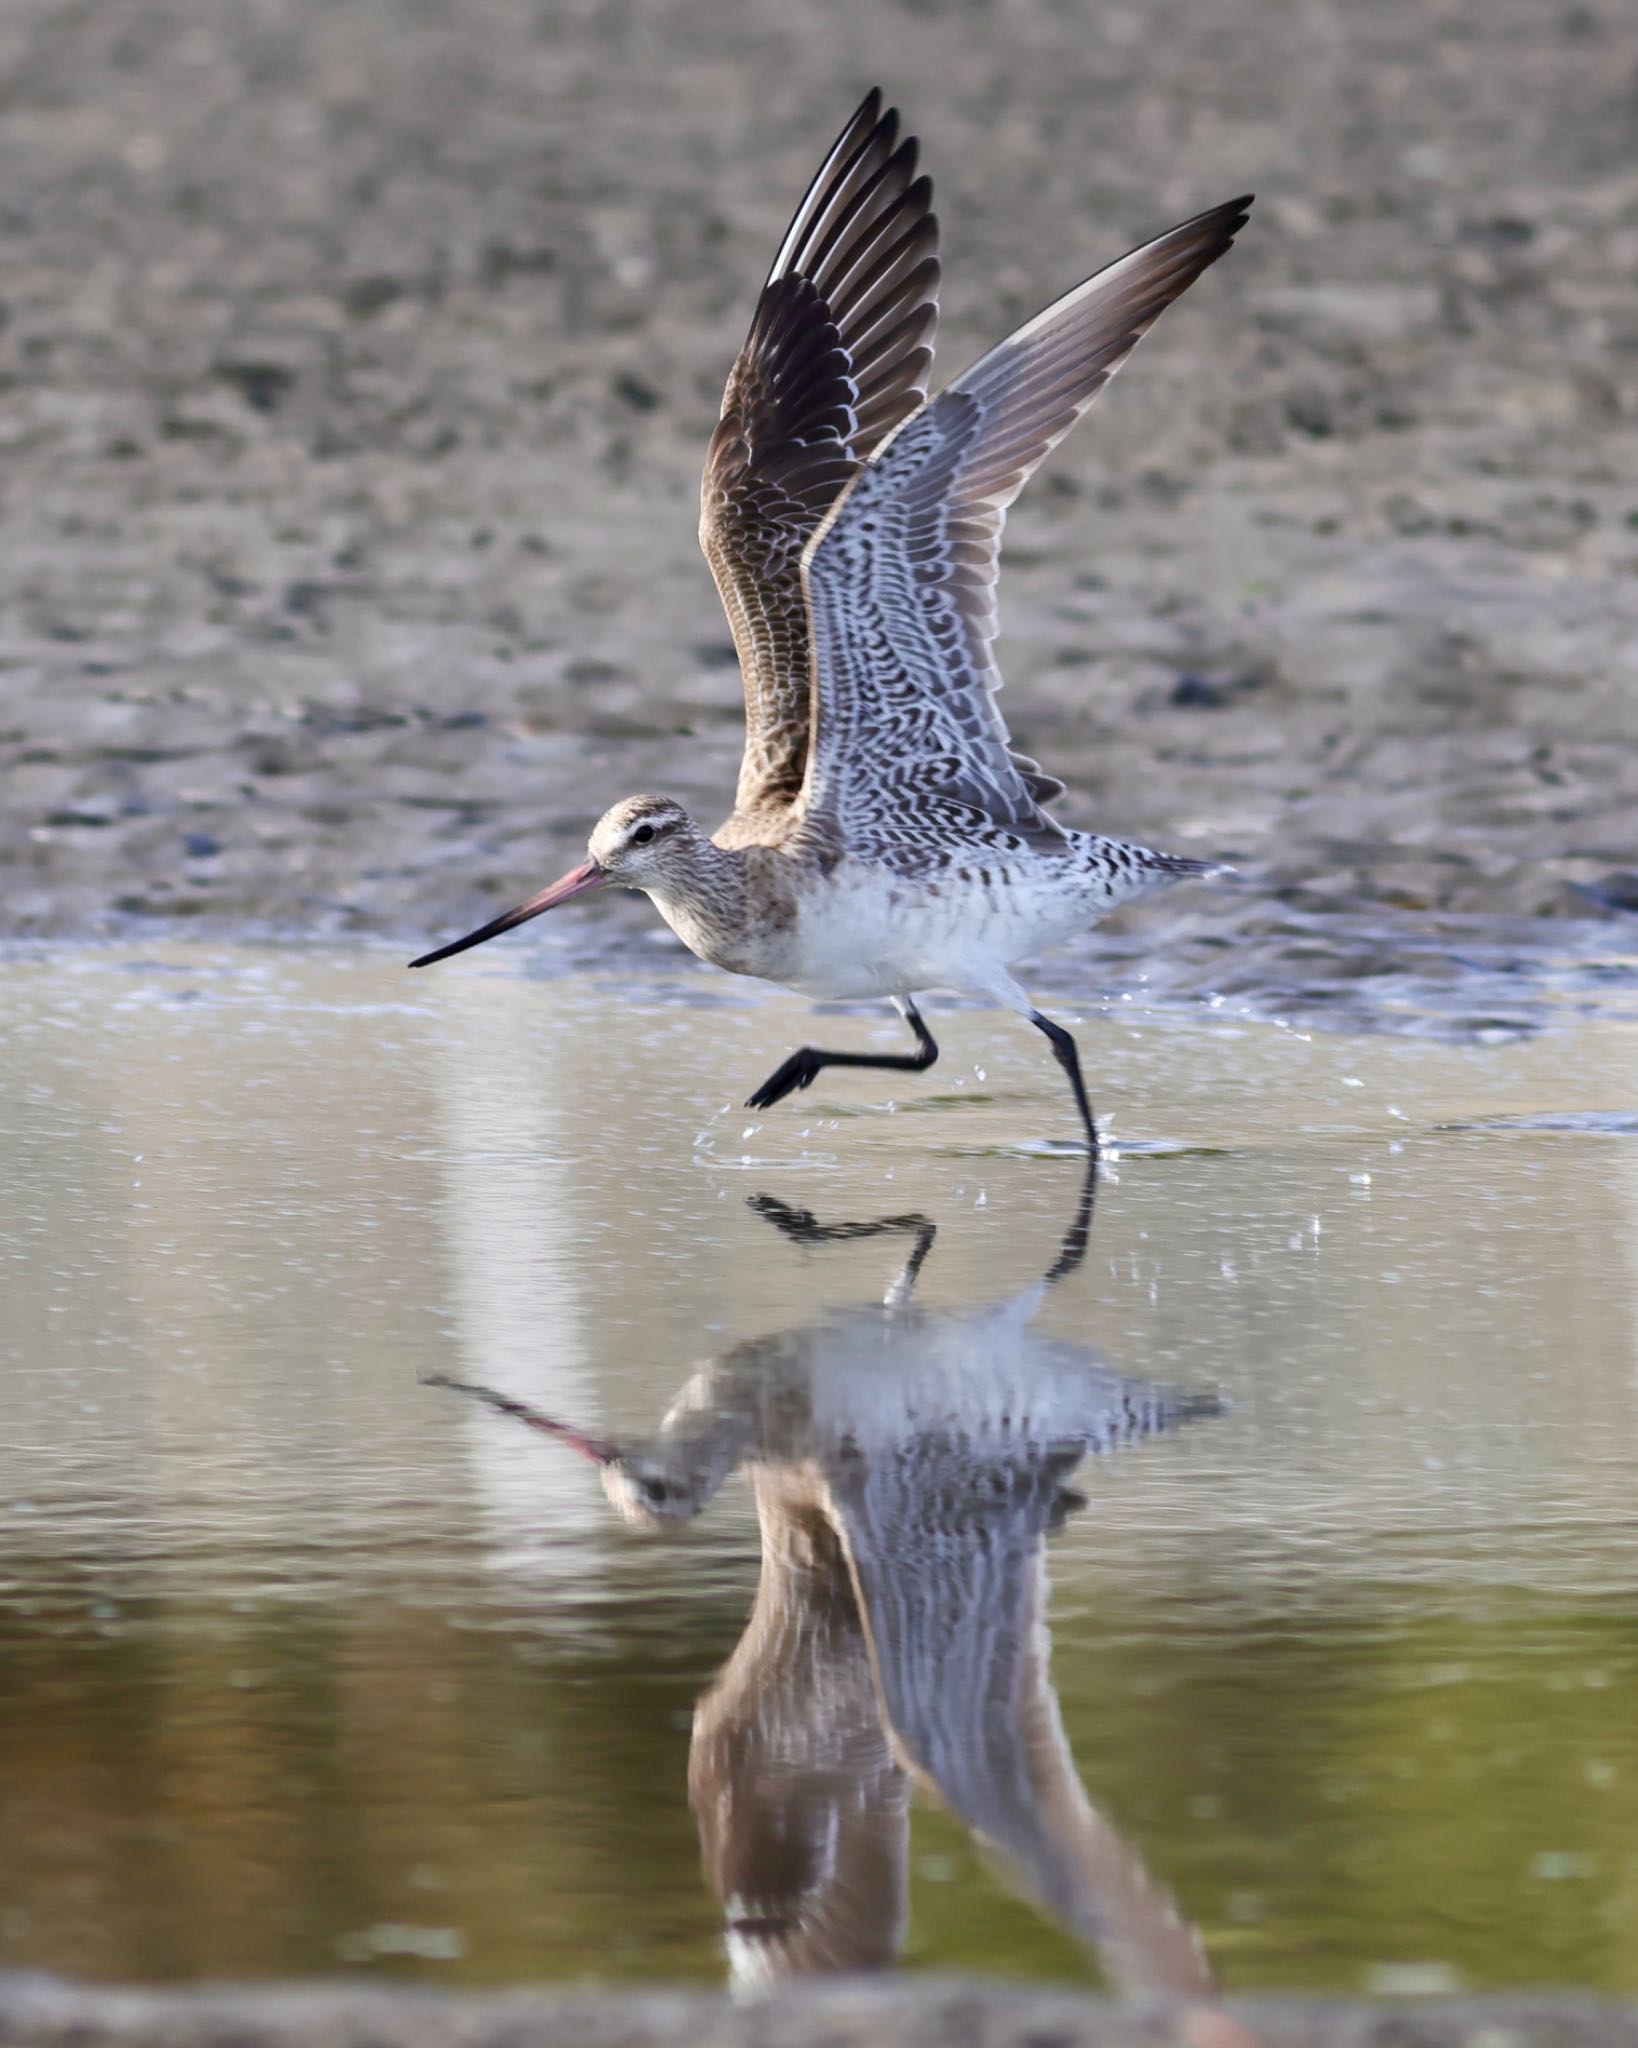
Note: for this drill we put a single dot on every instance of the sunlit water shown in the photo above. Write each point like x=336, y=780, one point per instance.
x=308, y=1664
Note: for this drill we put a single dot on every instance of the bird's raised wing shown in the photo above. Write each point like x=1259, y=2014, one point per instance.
x=838, y=354
x=902, y=573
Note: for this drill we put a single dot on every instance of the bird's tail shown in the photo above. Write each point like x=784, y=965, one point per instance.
x=1178, y=867
x=1119, y=869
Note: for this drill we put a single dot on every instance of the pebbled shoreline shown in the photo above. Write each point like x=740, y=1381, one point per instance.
x=855, y=2013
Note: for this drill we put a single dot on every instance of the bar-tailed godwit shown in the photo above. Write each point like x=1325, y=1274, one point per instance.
x=885, y=838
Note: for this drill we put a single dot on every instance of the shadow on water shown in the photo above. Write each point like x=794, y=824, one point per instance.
x=908, y=1467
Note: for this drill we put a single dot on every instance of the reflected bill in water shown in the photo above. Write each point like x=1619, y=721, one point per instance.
x=908, y=1467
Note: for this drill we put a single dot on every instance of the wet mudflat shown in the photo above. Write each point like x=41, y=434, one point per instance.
x=359, y=362
x=309, y=1664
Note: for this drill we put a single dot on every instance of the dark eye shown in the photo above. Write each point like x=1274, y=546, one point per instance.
x=642, y=835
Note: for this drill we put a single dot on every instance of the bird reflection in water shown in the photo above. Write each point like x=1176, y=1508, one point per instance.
x=908, y=1466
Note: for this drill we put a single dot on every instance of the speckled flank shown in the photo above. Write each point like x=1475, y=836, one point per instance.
x=864, y=929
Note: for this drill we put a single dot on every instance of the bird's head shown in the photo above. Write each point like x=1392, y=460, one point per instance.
x=650, y=1484
x=650, y=1493
x=642, y=843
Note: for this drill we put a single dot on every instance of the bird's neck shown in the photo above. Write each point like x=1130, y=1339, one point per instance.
x=706, y=903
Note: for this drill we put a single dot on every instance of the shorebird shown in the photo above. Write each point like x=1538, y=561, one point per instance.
x=908, y=1468
x=885, y=838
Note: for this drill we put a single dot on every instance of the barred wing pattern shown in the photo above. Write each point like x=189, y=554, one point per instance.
x=909, y=742
x=838, y=354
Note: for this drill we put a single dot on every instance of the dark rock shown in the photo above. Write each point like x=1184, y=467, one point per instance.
x=1617, y=891
x=263, y=386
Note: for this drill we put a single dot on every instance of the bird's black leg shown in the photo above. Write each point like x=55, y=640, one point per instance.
x=1063, y=1051
x=811, y=1060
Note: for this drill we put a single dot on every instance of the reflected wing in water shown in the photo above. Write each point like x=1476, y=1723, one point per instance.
x=800, y=1801
x=947, y=1538
x=908, y=1467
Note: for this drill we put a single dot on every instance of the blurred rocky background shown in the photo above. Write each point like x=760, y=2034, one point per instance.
x=358, y=357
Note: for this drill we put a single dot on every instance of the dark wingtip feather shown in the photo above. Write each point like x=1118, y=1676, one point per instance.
x=1241, y=210
x=1230, y=217
x=838, y=355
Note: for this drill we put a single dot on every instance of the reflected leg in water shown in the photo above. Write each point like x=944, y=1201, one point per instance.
x=1072, y=1251
x=802, y=1227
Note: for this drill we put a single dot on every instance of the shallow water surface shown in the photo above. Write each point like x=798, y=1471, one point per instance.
x=1257, y=1538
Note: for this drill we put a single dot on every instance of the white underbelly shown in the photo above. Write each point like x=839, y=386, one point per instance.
x=864, y=932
